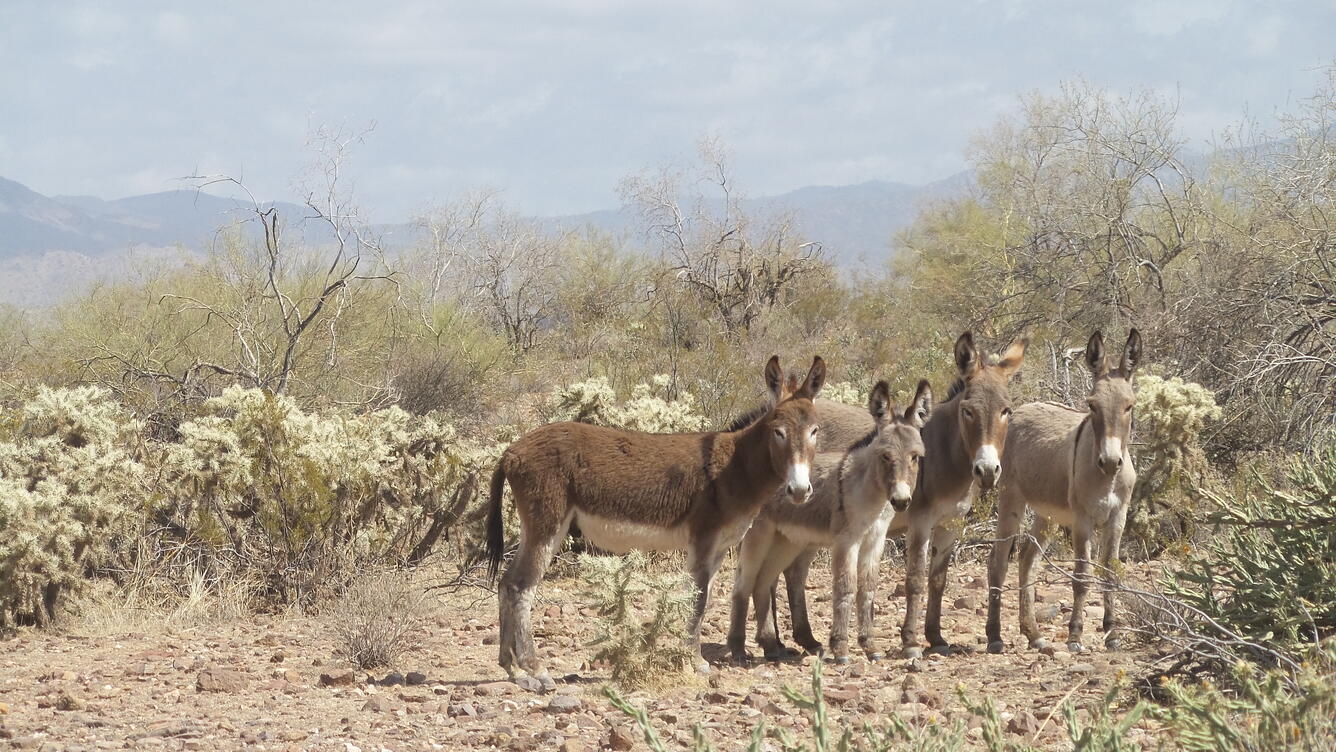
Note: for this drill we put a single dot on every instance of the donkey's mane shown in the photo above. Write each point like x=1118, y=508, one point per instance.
x=957, y=387
x=865, y=441
x=748, y=418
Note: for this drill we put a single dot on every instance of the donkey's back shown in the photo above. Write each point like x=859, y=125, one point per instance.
x=613, y=481
x=1038, y=462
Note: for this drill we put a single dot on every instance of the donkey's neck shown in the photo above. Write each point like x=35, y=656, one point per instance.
x=860, y=481
x=946, y=461
x=746, y=477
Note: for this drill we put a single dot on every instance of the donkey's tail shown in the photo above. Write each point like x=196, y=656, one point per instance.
x=496, y=521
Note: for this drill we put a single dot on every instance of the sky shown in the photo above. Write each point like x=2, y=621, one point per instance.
x=554, y=102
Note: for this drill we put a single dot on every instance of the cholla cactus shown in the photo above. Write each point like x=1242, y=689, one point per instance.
x=68, y=483
x=309, y=498
x=843, y=391
x=1170, y=415
x=648, y=409
x=643, y=615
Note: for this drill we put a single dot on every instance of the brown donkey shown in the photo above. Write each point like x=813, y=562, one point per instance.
x=628, y=490
x=963, y=441
x=849, y=513
x=1072, y=468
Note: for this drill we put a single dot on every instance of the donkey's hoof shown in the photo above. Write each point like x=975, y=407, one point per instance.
x=741, y=658
x=997, y=646
x=813, y=648
x=545, y=683
x=1113, y=643
x=842, y=660
x=702, y=666
x=1075, y=647
x=1039, y=643
x=939, y=650
x=876, y=655
x=912, y=652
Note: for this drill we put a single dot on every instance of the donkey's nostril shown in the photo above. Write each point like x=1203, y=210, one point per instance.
x=978, y=470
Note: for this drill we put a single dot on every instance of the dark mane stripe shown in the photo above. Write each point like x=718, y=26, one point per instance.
x=957, y=387
x=748, y=418
x=865, y=441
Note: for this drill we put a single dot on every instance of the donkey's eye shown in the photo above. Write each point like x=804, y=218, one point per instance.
x=1127, y=409
x=815, y=429
x=1006, y=412
x=780, y=434
x=969, y=414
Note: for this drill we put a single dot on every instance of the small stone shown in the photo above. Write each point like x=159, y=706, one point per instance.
x=529, y=684
x=461, y=709
x=344, y=677
x=393, y=679
x=381, y=704
x=1023, y=723
x=562, y=704
x=621, y=739
x=755, y=700
x=220, y=680
x=573, y=745
x=842, y=696
x=491, y=638
x=491, y=689
x=279, y=656
x=1048, y=614
x=1081, y=668
x=1048, y=650
x=415, y=678
x=968, y=602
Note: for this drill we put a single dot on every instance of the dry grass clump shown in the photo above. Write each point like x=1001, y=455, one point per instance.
x=376, y=619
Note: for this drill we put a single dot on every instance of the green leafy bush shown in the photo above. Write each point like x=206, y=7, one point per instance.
x=72, y=487
x=1269, y=574
x=642, y=613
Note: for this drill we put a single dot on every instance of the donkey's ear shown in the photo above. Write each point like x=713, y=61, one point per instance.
x=879, y=402
x=918, y=411
x=1131, y=353
x=1011, y=360
x=1095, y=357
x=967, y=356
x=774, y=379
x=816, y=376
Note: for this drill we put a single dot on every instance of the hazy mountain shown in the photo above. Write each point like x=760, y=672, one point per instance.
x=51, y=246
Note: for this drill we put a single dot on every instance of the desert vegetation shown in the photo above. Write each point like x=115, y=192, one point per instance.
x=315, y=425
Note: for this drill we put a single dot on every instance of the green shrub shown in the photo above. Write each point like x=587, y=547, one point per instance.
x=642, y=617
x=72, y=489
x=1261, y=711
x=1269, y=574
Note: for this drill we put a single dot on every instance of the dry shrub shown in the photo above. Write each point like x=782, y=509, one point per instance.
x=376, y=619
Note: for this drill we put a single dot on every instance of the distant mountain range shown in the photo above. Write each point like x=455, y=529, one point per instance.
x=53, y=246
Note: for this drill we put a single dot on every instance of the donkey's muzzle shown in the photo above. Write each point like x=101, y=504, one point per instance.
x=796, y=493
x=901, y=495
x=986, y=473
x=1110, y=465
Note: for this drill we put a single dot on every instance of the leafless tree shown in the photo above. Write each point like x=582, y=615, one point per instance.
x=739, y=265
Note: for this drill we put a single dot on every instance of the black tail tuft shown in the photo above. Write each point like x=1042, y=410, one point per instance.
x=496, y=522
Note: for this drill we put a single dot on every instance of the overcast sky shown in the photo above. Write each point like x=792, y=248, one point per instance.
x=553, y=102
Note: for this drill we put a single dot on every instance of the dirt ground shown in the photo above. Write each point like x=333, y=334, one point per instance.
x=257, y=683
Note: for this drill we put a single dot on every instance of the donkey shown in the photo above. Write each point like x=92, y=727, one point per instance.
x=1072, y=467
x=629, y=490
x=963, y=440
x=848, y=513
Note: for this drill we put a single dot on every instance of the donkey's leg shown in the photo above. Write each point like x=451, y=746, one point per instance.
x=795, y=583
x=518, y=586
x=1031, y=546
x=1010, y=513
x=916, y=572
x=943, y=548
x=704, y=555
x=1109, y=563
x=1081, y=540
x=751, y=555
x=782, y=554
x=844, y=576
x=869, y=574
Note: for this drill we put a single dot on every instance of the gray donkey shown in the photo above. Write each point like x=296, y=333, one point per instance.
x=1072, y=467
x=848, y=512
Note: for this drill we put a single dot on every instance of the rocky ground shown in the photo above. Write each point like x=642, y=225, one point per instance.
x=274, y=683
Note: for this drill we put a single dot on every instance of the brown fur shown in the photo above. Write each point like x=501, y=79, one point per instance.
x=848, y=512
x=630, y=490
x=1062, y=465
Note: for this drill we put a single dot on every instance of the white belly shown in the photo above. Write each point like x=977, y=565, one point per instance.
x=807, y=535
x=621, y=536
